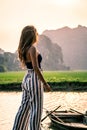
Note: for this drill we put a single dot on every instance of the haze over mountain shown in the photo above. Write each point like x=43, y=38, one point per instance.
x=73, y=43
x=61, y=49
x=8, y=61
x=51, y=53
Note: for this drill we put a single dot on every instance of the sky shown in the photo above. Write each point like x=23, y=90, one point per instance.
x=43, y=14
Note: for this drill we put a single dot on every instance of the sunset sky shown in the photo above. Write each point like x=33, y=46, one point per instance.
x=44, y=14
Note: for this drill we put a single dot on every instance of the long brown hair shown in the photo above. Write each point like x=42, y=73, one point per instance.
x=27, y=38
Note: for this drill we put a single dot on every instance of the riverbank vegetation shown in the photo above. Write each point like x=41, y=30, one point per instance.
x=58, y=80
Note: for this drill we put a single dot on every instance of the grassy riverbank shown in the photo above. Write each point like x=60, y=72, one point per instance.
x=58, y=80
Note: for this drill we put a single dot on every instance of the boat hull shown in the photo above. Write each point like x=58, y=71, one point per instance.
x=66, y=120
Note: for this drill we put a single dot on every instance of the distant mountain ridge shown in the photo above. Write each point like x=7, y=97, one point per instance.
x=51, y=53
x=8, y=61
x=61, y=49
x=73, y=43
x=1, y=51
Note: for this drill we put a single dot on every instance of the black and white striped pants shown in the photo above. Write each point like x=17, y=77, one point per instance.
x=30, y=111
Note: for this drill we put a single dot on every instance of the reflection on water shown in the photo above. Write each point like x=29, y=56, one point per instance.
x=10, y=101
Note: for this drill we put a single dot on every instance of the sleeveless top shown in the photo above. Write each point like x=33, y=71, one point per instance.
x=29, y=64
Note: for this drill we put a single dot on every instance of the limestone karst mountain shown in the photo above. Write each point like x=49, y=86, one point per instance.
x=8, y=61
x=52, y=54
x=62, y=49
x=73, y=43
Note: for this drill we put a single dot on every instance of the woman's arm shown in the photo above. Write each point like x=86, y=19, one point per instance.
x=33, y=55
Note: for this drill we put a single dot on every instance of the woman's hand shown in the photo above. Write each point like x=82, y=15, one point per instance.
x=47, y=87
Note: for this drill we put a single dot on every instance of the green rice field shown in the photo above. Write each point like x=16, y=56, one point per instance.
x=58, y=80
x=50, y=76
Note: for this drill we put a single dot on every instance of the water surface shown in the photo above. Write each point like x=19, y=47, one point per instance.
x=10, y=102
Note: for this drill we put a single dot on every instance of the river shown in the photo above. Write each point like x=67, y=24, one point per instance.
x=10, y=102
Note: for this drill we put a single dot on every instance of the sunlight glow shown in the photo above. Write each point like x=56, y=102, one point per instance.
x=72, y=97
x=65, y=2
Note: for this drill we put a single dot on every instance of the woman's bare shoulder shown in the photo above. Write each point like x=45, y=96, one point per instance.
x=32, y=50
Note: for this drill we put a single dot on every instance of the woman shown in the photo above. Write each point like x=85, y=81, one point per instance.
x=30, y=111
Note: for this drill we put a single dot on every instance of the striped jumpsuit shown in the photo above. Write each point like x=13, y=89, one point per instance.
x=29, y=114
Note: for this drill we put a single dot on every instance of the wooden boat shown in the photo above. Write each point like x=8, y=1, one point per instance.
x=68, y=120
